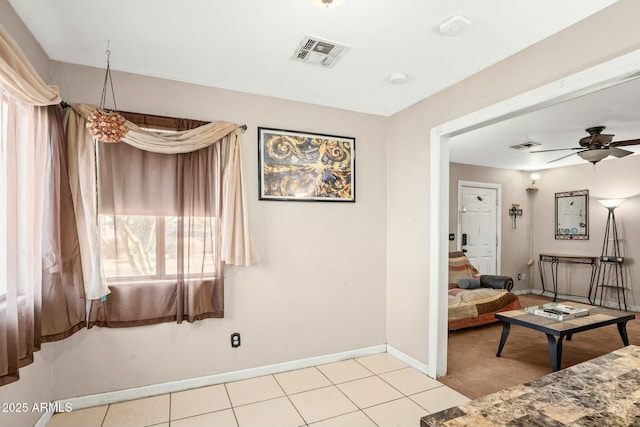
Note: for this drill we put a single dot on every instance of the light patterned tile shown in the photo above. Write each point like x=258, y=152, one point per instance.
x=276, y=412
x=253, y=390
x=224, y=418
x=199, y=401
x=140, y=412
x=323, y=403
x=438, y=399
x=346, y=370
x=354, y=419
x=369, y=391
x=381, y=363
x=302, y=380
x=410, y=381
x=89, y=417
x=402, y=412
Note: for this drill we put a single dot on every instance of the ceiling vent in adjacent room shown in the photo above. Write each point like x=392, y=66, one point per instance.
x=525, y=145
x=316, y=51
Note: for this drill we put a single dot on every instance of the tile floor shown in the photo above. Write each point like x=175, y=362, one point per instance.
x=377, y=390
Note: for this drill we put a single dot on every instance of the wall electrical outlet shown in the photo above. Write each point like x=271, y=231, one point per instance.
x=235, y=340
x=522, y=276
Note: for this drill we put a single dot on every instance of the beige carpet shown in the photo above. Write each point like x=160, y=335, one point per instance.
x=475, y=371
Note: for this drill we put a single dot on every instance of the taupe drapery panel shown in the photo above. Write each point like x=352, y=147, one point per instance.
x=63, y=301
x=237, y=246
x=150, y=121
x=180, y=256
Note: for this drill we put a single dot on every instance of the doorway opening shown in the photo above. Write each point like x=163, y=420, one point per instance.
x=615, y=71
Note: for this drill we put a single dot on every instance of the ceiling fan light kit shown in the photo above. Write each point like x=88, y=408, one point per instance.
x=597, y=146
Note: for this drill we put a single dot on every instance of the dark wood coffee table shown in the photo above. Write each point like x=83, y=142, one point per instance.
x=557, y=330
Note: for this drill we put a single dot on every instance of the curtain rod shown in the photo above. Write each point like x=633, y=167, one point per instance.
x=64, y=104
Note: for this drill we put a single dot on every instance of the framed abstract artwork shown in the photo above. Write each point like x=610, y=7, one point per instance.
x=306, y=166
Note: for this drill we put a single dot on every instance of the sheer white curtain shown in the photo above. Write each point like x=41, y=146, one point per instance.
x=23, y=153
x=35, y=305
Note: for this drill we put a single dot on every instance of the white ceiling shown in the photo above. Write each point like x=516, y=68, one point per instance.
x=247, y=45
x=559, y=126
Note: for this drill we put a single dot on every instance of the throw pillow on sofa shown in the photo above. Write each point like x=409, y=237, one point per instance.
x=468, y=283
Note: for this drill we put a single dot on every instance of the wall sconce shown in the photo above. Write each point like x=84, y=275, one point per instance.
x=515, y=212
x=534, y=177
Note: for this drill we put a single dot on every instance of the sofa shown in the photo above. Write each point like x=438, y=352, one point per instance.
x=474, y=298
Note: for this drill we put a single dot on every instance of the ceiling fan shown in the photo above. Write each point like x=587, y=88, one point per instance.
x=596, y=146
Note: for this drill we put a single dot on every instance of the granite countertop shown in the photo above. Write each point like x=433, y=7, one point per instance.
x=604, y=391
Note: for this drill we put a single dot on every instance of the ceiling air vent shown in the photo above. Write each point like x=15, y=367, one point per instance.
x=316, y=51
x=525, y=145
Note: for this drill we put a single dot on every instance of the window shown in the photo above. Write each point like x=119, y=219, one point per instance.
x=159, y=220
x=143, y=247
x=138, y=248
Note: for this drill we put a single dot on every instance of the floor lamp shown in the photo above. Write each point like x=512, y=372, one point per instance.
x=610, y=273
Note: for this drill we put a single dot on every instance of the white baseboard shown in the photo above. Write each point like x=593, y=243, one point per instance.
x=575, y=298
x=422, y=367
x=186, y=384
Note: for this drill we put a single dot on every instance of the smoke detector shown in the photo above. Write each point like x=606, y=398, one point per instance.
x=454, y=25
x=316, y=51
x=398, y=78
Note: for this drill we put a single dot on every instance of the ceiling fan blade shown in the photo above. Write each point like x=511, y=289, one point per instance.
x=564, y=157
x=557, y=149
x=625, y=143
x=619, y=152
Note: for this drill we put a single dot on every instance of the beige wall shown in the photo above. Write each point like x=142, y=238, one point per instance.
x=535, y=231
x=515, y=242
x=322, y=285
x=28, y=44
x=319, y=287
x=609, y=179
x=409, y=255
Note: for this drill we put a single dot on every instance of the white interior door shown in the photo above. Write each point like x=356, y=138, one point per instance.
x=478, y=216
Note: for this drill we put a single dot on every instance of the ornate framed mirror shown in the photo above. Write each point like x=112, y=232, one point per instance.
x=572, y=215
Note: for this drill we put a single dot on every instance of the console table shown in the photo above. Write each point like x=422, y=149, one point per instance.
x=556, y=259
x=600, y=392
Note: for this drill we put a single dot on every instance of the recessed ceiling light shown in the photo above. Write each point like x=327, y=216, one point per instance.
x=327, y=4
x=454, y=25
x=398, y=78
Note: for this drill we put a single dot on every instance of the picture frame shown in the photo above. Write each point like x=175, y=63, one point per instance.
x=572, y=215
x=305, y=166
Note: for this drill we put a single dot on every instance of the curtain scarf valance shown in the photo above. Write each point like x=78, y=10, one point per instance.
x=18, y=77
x=236, y=247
